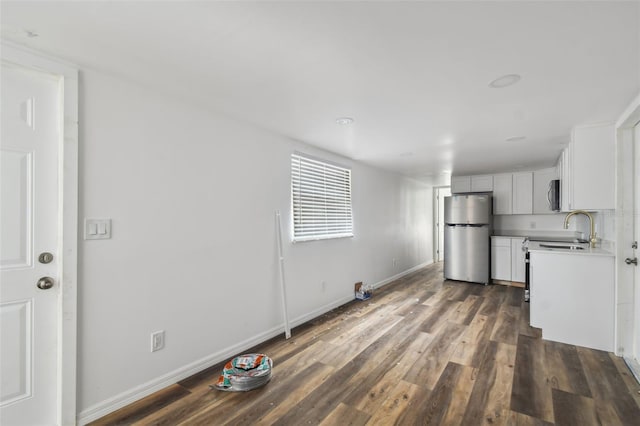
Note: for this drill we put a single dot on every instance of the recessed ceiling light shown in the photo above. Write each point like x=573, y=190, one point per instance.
x=343, y=121
x=516, y=139
x=504, y=81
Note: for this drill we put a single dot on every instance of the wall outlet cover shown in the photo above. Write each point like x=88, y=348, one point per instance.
x=157, y=340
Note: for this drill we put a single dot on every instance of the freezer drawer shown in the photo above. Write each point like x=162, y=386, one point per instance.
x=466, y=253
x=468, y=209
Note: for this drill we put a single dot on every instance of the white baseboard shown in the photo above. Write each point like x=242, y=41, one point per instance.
x=634, y=366
x=401, y=274
x=123, y=399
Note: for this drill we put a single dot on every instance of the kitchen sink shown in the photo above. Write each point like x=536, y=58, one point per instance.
x=562, y=246
x=559, y=240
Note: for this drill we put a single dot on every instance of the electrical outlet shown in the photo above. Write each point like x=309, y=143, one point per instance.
x=323, y=284
x=157, y=340
x=532, y=225
x=395, y=263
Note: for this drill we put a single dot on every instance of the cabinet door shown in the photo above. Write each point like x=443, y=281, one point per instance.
x=541, y=181
x=460, y=184
x=517, y=260
x=482, y=183
x=523, y=193
x=573, y=298
x=593, y=167
x=502, y=197
x=501, y=258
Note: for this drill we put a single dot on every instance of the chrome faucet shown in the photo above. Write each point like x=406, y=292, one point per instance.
x=592, y=235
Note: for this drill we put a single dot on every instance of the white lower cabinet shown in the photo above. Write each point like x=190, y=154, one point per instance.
x=501, y=258
x=507, y=259
x=572, y=298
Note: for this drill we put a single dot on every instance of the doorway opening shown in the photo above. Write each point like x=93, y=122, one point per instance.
x=627, y=237
x=439, y=193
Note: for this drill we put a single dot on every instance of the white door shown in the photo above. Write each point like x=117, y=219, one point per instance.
x=440, y=194
x=31, y=127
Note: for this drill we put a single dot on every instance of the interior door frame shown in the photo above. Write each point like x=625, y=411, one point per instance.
x=436, y=190
x=68, y=223
x=624, y=290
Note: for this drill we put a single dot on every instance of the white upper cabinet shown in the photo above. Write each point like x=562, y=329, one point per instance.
x=460, y=184
x=586, y=169
x=523, y=193
x=502, y=194
x=592, y=168
x=513, y=193
x=482, y=183
x=541, y=186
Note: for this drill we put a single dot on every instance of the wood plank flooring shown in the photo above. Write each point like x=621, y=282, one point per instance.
x=421, y=351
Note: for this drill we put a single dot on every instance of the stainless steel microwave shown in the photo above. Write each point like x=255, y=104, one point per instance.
x=553, y=195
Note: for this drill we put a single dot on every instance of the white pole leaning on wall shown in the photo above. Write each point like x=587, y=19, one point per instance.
x=283, y=287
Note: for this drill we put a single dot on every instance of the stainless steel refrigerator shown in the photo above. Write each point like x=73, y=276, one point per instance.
x=467, y=237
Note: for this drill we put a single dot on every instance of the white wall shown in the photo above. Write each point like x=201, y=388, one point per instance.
x=192, y=196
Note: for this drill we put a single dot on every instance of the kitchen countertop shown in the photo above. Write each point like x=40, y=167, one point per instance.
x=597, y=251
x=532, y=233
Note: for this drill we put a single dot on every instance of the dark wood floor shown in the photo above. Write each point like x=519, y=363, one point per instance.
x=421, y=351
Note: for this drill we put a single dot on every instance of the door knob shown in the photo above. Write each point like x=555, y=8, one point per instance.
x=45, y=258
x=629, y=261
x=45, y=283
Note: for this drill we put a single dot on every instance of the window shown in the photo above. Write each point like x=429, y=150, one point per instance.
x=321, y=199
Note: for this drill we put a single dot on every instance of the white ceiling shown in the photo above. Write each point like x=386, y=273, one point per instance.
x=413, y=75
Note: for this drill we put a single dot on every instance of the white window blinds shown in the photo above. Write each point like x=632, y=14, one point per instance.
x=321, y=199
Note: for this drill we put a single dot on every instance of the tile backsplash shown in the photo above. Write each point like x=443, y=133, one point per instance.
x=604, y=222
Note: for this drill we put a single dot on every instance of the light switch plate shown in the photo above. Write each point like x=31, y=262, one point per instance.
x=97, y=229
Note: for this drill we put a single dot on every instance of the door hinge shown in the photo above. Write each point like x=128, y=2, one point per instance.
x=634, y=245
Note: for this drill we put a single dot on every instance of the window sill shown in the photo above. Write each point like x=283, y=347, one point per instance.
x=320, y=237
